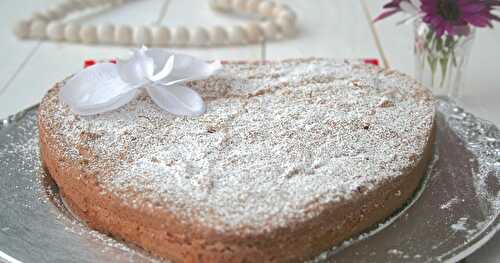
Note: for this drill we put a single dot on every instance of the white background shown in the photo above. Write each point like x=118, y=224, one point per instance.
x=329, y=28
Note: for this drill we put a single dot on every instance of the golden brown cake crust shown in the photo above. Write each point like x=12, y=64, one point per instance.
x=151, y=225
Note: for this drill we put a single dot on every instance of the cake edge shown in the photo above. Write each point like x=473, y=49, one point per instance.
x=166, y=236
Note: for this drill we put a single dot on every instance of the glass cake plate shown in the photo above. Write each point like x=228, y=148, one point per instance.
x=454, y=212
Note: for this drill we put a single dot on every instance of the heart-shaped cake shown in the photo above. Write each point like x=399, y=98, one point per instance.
x=290, y=159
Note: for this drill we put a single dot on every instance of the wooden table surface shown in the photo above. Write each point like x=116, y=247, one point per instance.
x=328, y=28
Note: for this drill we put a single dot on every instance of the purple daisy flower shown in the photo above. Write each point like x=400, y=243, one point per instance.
x=454, y=17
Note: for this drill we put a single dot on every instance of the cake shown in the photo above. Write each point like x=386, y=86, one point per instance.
x=291, y=158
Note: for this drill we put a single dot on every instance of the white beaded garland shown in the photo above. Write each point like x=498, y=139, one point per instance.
x=38, y=29
x=180, y=36
x=237, y=35
x=55, y=31
x=199, y=36
x=22, y=29
x=218, y=35
x=105, y=33
x=280, y=21
x=88, y=34
x=142, y=36
x=72, y=32
x=161, y=36
x=123, y=35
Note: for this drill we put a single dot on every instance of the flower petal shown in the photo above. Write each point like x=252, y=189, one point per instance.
x=138, y=68
x=94, y=87
x=409, y=8
x=386, y=14
x=463, y=30
x=416, y=3
x=165, y=71
x=185, y=68
x=160, y=57
x=110, y=105
x=177, y=99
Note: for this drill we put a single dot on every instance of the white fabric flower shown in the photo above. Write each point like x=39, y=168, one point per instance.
x=107, y=86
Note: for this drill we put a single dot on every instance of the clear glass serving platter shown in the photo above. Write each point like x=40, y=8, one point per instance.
x=454, y=212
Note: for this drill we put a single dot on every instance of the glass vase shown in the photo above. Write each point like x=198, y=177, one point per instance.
x=441, y=62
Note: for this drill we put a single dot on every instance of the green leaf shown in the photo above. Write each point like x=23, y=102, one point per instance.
x=433, y=46
x=449, y=42
x=429, y=36
x=454, y=58
x=439, y=44
x=432, y=64
x=444, y=68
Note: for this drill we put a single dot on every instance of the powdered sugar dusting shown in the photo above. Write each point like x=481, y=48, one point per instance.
x=278, y=141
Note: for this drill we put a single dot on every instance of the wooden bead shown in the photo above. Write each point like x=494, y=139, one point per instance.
x=72, y=32
x=199, y=36
x=75, y=5
x=286, y=25
x=218, y=35
x=266, y=8
x=117, y=2
x=213, y=4
x=253, y=32
x=142, y=36
x=180, y=36
x=252, y=6
x=22, y=29
x=50, y=15
x=237, y=35
x=88, y=34
x=55, y=13
x=288, y=14
x=278, y=8
x=269, y=29
x=67, y=6
x=123, y=35
x=39, y=16
x=55, y=31
x=38, y=29
x=106, y=33
x=222, y=5
x=92, y=3
x=161, y=36
x=239, y=5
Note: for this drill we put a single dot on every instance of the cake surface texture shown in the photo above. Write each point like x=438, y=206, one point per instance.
x=291, y=158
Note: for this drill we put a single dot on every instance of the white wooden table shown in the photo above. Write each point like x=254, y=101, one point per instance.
x=327, y=28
